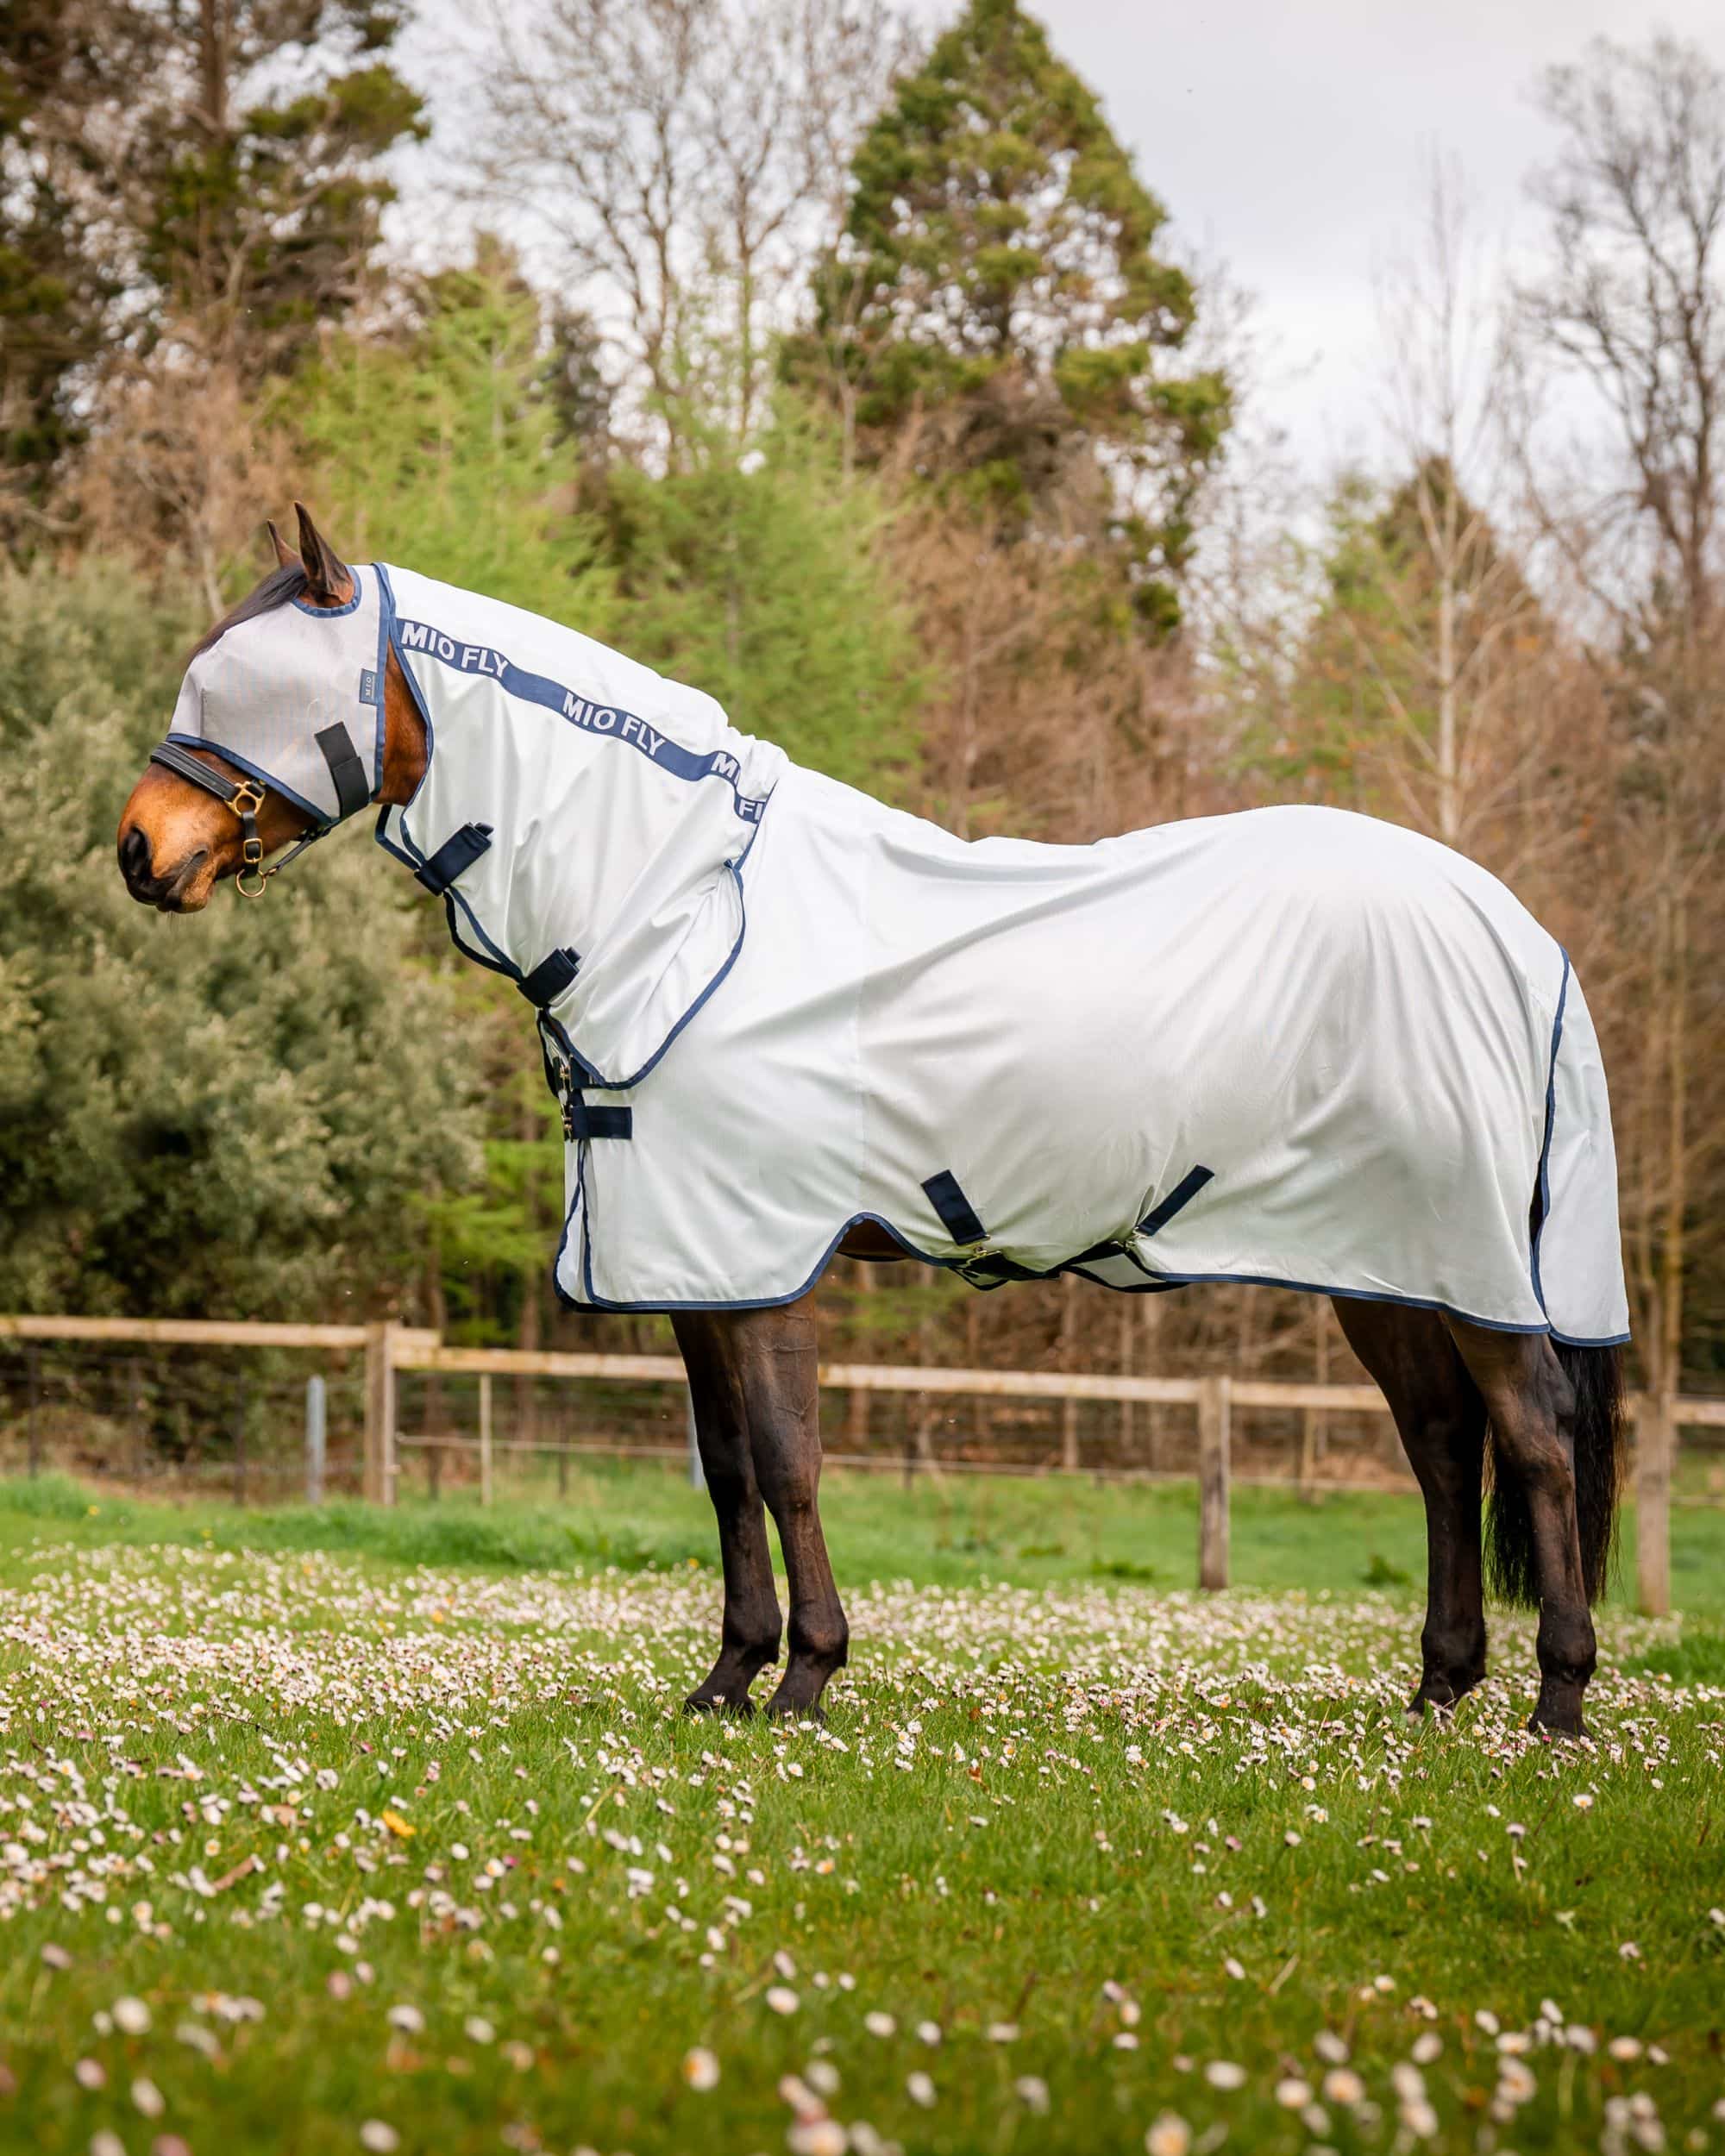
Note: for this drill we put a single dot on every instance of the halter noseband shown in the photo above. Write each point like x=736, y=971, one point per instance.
x=246, y=797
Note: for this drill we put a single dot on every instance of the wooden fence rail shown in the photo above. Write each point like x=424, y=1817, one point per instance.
x=390, y=1348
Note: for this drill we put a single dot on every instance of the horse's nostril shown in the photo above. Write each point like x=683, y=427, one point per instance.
x=134, y=860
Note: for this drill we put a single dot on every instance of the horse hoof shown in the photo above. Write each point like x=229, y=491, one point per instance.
x=738, y=1709
x=1558, y=1722
x=781, y=1710
x=1427, y=1704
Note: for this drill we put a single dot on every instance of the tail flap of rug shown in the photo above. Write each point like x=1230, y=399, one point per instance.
x=1578, y=1261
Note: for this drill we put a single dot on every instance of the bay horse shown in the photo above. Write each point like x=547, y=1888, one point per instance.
x=1544, y=1410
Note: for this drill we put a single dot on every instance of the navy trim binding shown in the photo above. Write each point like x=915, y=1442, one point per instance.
x=252, y=771
x=1543, y=1180
x=594, y=1300
x=623, y=1085
x=605, y=719
x=386, y=623
x=331, y=613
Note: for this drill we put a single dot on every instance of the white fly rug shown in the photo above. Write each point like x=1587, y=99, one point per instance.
x=1294, y=1046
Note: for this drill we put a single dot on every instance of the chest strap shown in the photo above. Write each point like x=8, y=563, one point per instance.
x=459, y=851
x=549, y=978
x=581, y=1121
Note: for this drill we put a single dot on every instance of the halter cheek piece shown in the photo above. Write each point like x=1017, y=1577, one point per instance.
x=246, y=797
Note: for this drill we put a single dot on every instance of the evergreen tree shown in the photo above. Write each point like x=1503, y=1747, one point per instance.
x=439, y=449
x=999, y=272
x=1414, y=691
x=215, y=166
x=758, y=578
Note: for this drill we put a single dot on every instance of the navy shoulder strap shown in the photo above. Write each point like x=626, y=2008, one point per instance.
x=548, y=979
x=459, y=851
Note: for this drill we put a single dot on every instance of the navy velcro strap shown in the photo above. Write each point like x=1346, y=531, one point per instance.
x=581, y=1121
x=1182, y=1194
x=549, y=978
x=353, y=787
x=458, y=852
x=957, y=1215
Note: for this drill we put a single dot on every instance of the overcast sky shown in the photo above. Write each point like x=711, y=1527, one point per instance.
x=1288, y=139
x=1286, y=142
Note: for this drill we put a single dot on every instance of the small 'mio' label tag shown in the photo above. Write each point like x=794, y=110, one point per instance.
x=369, y=685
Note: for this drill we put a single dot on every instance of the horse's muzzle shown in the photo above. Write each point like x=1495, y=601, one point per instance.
x=138, y=870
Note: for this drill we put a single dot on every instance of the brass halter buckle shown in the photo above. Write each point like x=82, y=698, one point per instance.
x=245, y=800
x=246, y=797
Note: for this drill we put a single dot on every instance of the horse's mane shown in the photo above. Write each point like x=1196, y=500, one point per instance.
x=280, y=585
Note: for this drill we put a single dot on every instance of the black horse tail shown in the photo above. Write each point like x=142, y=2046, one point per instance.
x=1596, y=1377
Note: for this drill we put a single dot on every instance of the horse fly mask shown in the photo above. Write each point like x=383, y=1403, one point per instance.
x=285, y=704
x=1293, y=1046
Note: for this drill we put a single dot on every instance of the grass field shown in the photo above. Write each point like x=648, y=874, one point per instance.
x=341, y=1831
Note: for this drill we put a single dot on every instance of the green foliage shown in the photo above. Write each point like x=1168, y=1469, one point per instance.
x=438, y=450
x=1364, y=681
x=759, y=579
x=143, y=179
x=227, y=1115
x=1000, y=254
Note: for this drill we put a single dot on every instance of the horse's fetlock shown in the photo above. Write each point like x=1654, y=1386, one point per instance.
x=821, y=1642
x=755, y=1645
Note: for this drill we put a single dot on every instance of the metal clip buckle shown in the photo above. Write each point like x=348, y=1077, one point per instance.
x=247, y=799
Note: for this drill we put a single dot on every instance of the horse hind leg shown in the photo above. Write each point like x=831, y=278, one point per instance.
x=1532, y=1409
x=749, y=1635
x=1442, y=1422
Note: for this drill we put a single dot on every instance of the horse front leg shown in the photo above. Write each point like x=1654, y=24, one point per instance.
x=749, y=1634
x=774, y=1351
x=1441, y=1421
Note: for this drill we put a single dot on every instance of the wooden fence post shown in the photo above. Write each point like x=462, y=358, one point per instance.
x=33, y=1386
x=1214, y=1414
x=239, y=1439
x=135, y=1389
x=1068, y=1358
x=485, y=1437
x=1655, y=1442
x=379, y=1481
x=316, y=1437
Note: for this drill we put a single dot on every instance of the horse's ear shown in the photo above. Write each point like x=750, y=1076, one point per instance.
x=327, y=581
x=285, y=558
